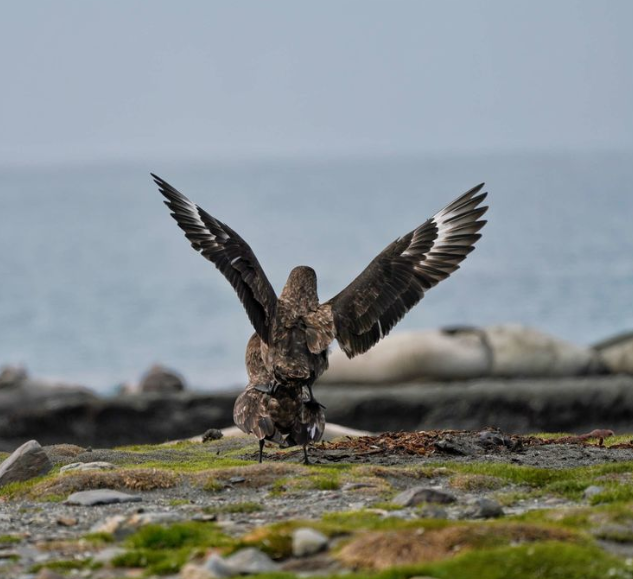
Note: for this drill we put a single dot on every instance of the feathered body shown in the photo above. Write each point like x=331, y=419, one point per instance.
x=283, y=414
x=294, y=331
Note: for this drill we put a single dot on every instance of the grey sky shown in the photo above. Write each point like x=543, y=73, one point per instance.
x=131, y=79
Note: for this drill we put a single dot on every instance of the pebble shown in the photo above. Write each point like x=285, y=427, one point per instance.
x=122, y=525
x=237, y=479
x=592, y=491
x=484, y=508
x=100, y=497
x=27, y=462
x=244, y=562
x=416, y=495
x=66, y=521
x=307, y=541
x=86, y=466
x=251, y=561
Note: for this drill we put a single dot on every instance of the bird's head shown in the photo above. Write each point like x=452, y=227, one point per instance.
x=301, y=287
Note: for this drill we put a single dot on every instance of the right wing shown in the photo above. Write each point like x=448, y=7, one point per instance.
x=229, y=252
x=397, y=279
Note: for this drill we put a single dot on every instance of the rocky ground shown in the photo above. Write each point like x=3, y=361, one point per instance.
x=458, y=504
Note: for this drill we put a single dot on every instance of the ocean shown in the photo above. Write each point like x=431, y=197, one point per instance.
x=97, y=282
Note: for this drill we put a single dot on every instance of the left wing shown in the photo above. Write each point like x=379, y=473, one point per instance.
x=229, y=252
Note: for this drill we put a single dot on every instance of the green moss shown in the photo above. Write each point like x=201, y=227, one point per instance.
x=20, y=489
x=191, y=534
x=164, y=549
x=212, y=486
x=614, y=493
x=7, y=539
x=99, y=538
x=66, y=565
x=549, y=560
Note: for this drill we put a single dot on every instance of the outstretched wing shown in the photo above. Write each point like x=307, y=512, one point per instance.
x=396, y=280
x=230, y=254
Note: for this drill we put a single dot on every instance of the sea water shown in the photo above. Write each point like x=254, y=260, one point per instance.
x=97, y=282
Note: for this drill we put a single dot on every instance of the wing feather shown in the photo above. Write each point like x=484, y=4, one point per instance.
x=397, y=279
x=222, y=246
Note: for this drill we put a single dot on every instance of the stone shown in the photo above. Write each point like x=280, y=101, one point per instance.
x=122, y=525
x=160, y=379
x=250, y=561
x=11, y=376
x=27, y=462
x=100, y=497
x=592, y=491
x=63, y=521
x=484, y=508
x=419, y=494
x=86, y=466
x=307, y=541
x=212, y=434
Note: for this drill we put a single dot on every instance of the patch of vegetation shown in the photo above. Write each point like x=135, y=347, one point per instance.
x=383, y=550
x=476, y=482
x=66, y=565
x=9, y=539
x=551, y=560
x=99, y=538
x=162, y=550
x=139, y=479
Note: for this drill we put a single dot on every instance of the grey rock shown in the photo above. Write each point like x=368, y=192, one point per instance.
x=85, y=466
x=216, y=568
x=592, y=491
x=307, y=541
x=432, y=512
x=100, y=497
x=212, y=434
x=484, y=508
x=416, y=495
x=11, y=376
x=237, y=479
x=250, y=561
x=25, y=463
x=161, y=379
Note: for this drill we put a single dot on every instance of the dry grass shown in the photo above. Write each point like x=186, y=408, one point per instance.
x=382, y=550
x=476, y=482
x=132, y=479
x=255, y=475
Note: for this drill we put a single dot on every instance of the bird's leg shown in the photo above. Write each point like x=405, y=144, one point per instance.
x=312, y=399
x=306, y=460
x=261, y=450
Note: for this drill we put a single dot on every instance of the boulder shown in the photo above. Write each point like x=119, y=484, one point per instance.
x=617, y=353
x=413, y=356
x=161, y=379
x=420, y=494
x=307, y=541
x=12, y=376
x=100, y=497
x=25, y=463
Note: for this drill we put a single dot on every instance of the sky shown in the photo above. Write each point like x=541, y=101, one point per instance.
x=136, y=80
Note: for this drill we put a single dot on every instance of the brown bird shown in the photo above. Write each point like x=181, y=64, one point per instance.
x=295, y=330
x=284, y=415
